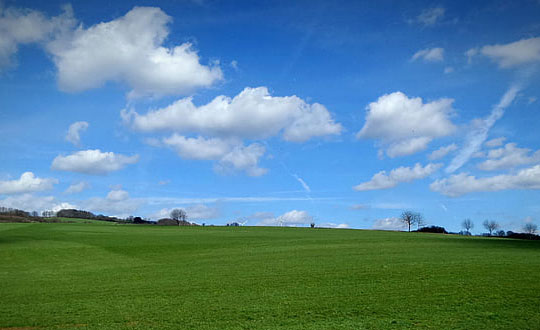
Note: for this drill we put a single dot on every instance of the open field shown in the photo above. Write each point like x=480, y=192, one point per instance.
x=92, y=276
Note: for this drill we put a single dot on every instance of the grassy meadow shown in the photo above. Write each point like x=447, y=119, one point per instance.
x=102, y=276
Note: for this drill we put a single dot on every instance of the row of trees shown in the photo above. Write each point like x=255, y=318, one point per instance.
x=410, y=219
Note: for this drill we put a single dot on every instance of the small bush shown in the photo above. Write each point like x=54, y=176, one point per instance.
x=432, y=229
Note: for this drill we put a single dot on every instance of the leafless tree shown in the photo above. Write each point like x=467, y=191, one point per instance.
x=468, y=225
x=178, y=215
x=530, y=228
x=410, y=218
x=490, y=225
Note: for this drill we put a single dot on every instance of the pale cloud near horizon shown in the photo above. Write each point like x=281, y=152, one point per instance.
x=74, y=132
x=460, y=184
x=382, y=180
x=117, y=202
x=92, y=162
x=403, y=125
x=291, y=218
x=77, y=187
x=30, y=202
x=389, y=224
x=27, y=183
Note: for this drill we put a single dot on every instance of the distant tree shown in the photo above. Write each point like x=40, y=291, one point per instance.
x=178, y=215
x=468, y=225
x=500, y=233
x=35, y=214
x=410, y=218
x=530, y=228
x=312, y=225
x=490, y=226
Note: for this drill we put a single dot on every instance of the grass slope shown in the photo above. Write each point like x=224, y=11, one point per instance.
x=91, y=276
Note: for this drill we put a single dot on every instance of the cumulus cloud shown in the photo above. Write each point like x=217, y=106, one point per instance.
x=333, y=225
x=428, y=17
x=74, y=131
x=130, y=49
x=77, y=187
x=404, y=125
x=508, y=157
x=253, y=113
x=463, y=183
x=117, y=203
x=92, y=162
x=442, y=151
x=291, y=218
x=30, y=202
x=429, y=55
x=382, y=180
x=27, y=183
x=524, y=51
x=478, y=133
x=389, y=224
x=25, y=26
x=495, y=142
x=231, y=155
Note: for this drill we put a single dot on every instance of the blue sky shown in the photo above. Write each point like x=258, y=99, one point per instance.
x=273, y=112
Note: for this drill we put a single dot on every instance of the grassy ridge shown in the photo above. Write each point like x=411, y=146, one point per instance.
x=81, y=276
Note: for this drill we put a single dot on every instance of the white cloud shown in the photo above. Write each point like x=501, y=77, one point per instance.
x=471, y=53
x=460, y=184
x=25, y=26
x=77, y=187
x=333, y=225
x=478, y=133
x=92, y=162
x=74, y=131
x=389, y=224
x=508, y=157
x=117, y=203
x=291, y=218
x=29, y=202
x=406, y=125
x=130, y=49
x=230, y=155
x=448, y=70
x=253, y=113
x=28, y=182
x=193, y=212
x=382, y=180
x=495, y=142
x=360, y=207
x=513, y=54
x=429, y=17
x=442, y=151
x=429, y=55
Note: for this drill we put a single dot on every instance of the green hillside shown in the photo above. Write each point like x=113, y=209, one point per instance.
x=93, y=276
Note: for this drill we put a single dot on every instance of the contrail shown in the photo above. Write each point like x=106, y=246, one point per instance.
x=479, y=133
x=303, y=183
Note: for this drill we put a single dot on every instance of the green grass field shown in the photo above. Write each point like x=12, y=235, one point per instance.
x=92, y=276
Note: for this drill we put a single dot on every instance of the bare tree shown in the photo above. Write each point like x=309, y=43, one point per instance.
x=490, y=225
x=468, y=225
x=178, y=215
x=410, y=218
x=530, y=228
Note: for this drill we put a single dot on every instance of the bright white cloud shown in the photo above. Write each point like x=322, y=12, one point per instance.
x=382, y=180
x=25, y=26
x=462, y=183
x=389, y=224
x=230, y=155
x=495, y=142
x=406, y=125
x=28, y=182
x=429, y=17
x=291, y=218
x=479, y=132
x=333, y=225
x=253, y=113
x=442, y=151
x=513, y=54
x=508, y=157
x=92, y=162
x=130, y=49
x=74, y=131
x=429, y=55
x=77, y=187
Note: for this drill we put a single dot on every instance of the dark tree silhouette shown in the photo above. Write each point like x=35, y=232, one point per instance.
x=490, y=226
x=178, y=215
x=410, y=218
x=468, y=225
